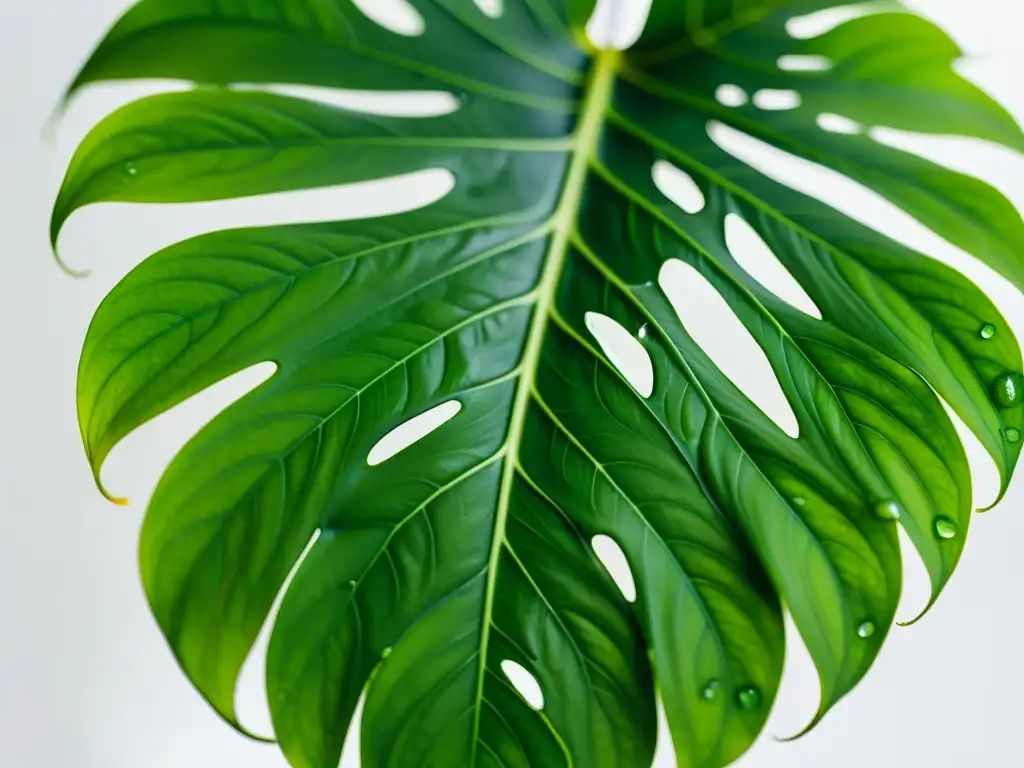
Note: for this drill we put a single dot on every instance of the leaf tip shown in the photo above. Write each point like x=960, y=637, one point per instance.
x=120, y=501
x=993, y=505
x=66, y=268
x=807, y=729
x=48, y=133
x=921, y=615
x=56, y=226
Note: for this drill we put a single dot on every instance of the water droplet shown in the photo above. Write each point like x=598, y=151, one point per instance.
x=748, y=698
x=130, y=169
x=865, y=629
x=945, y=528
x=352, y=584
x=711, y=690
x=386, y=652
x=1012, y=435
x=888, y=510
x=643, y=331
x=987, y=331
x=799, y=501
x=1007, y=390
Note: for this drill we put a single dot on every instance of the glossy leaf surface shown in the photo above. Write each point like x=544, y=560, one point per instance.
x=474, y=547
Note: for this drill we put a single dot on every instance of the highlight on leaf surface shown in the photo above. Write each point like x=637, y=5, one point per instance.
x=524, y=490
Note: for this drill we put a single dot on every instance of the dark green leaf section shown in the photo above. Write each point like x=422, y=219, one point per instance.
x=474, y=546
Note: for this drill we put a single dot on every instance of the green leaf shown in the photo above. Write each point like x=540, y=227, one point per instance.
x=474, y=546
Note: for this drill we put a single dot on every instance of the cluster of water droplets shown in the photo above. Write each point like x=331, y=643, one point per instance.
x=747, y=697
x=1007, y=388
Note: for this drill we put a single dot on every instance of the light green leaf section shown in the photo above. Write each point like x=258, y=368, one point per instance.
x=473, y=546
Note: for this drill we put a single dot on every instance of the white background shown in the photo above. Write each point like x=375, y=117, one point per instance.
x=85, y=678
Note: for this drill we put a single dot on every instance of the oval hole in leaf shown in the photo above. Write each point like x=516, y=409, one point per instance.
x=678, y=186
x=614, y=561
x=412, y=431
x=833, y=123
x=524, y=682
x=776, y=99
x=617, y=24
x=387, y=103
x=623, y=351
x=492, y=8
x=729, y=95
x=251, y=691
x=818, y=23
x=804, y=63
x=760, y=262
x=398, y=16
x=713, y=325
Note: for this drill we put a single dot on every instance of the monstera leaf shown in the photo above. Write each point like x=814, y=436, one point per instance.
x=429, y=573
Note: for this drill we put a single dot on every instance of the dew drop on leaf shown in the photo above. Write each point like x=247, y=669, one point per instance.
x=945, y=528
x=1006, y=390
x=865, y=629
x=130, y=169
x=748, y=698
x=987, y=331
x=711, y=690
x=799, y=501
x=352, y=584
x=1012, y=435
x=888, y=510
x=386, y=652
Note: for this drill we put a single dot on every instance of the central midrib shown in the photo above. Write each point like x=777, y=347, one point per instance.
x=585, y=143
